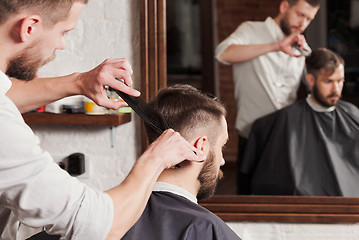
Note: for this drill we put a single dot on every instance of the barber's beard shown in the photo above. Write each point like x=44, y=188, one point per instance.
x=322, y=100
x=26, y=65
x=284, y=25
x=208, y=178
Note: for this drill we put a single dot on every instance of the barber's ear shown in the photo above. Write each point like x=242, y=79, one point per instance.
x=310, y=80
x=27, y=27
x=202, y=144
x=283, y=7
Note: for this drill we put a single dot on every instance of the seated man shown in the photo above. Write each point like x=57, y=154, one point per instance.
x=172, y=211
x=312, y=146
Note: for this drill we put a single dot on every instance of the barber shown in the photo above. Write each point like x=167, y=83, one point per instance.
x=32, y=186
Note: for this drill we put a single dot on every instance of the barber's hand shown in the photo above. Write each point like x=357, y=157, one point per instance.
x=286, y=45
x=92, y=83
x=171, y=148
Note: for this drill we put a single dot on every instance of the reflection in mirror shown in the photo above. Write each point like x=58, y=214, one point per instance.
x=187, y=24
x=343, y=38
x=190, y=44
x=237, y=208
x=183, y=43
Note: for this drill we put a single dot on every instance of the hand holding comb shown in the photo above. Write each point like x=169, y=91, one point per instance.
x=153, y=118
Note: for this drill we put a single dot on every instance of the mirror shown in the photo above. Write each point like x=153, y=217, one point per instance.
x=233, y=208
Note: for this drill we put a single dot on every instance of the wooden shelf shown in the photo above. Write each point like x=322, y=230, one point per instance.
x=35, y=118
x=290, y=209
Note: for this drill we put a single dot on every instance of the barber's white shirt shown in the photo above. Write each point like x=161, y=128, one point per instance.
x=266, y=83
x=37, y=190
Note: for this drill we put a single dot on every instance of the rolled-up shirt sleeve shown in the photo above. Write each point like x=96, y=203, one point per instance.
x=238, y=37
x=39, y=192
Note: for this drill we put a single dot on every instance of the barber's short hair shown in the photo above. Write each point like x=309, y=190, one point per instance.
x=52, y=11
x=323, y=58
x=186, y=109
x=313, y=3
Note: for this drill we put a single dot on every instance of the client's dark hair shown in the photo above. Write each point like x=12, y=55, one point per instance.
x=185, y=109
x=323, y=58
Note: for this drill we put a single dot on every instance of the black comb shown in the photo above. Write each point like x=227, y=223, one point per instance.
x=304, y=52
x=153, y=118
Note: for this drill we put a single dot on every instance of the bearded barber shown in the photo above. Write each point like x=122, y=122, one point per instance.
x=33, y=188
x=266, y=68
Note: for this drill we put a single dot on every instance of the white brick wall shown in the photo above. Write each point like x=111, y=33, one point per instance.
x=106, y=29
x=109, y=29
x=292, y=231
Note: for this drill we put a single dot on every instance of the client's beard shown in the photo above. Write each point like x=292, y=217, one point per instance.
x=321, y=99
x=208, y=179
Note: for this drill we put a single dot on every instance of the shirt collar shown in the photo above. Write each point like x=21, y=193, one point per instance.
x=5, y=83
x=316, y=107
x=166, y=187
x=275, y=30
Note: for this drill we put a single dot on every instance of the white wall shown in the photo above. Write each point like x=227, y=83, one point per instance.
x=106, y=29
x=293, y=231
x=109, y=29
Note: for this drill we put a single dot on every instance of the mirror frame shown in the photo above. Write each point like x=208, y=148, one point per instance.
x=233, y=208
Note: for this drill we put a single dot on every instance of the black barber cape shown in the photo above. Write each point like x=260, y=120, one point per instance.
x=44, y=236
x=298, y=151
x=169, y=216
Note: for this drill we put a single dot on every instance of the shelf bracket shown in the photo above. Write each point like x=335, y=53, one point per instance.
x=113, y=136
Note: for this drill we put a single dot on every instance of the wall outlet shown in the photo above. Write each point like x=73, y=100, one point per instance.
x=76, y=164
x=86, y=173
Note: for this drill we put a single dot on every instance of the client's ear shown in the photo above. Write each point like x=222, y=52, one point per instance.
x=202, y=144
